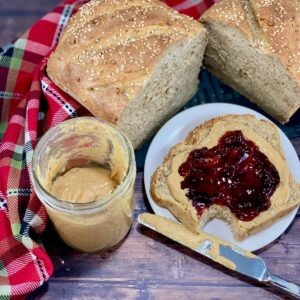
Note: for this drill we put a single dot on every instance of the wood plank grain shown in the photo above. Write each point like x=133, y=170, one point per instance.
x=32, y=6
x=147, y=255
x=209, y=293
x=88, y=291
x=16, y=18
x=13, y=27
x=147, y=290
x=145, y=265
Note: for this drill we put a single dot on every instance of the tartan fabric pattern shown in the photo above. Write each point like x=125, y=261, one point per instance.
x=31, y=104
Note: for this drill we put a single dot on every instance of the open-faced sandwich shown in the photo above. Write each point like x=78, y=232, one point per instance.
x=232, y=168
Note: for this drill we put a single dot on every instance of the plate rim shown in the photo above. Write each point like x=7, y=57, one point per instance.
x=284, y=139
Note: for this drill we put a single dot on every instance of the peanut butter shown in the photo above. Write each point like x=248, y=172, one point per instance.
x=181, y=234
x=281, y=194
x=86, y=169
x=81, y=185
x=241, y=229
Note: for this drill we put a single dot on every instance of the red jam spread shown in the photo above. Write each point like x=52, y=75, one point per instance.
x=234, y=173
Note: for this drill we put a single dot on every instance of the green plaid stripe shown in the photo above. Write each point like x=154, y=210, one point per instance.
x=25, y=213
x=16, y=229
x=3, y=127
x=17, y=160
x=27, y=242
x=13, y=62
x=16, y=59
x=5, y=289
x=3, y=272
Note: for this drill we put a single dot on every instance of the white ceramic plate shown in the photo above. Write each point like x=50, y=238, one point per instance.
x=176, y=129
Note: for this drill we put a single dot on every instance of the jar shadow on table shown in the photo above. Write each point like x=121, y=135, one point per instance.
x=39, y=292
x=70, y=262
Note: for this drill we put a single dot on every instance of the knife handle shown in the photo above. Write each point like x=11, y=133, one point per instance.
x=284, y=285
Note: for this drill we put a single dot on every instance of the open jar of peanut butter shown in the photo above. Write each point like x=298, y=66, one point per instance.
x=83, y=171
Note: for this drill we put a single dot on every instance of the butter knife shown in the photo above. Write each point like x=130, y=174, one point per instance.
x=222, y=252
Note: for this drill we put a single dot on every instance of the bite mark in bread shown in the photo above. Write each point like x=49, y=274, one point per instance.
x=185, y=211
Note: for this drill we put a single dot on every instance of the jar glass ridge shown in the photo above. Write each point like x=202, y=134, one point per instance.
x=111, y=213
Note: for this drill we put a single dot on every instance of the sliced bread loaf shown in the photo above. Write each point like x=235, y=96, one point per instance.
x=254, y=47
x=183, y=208
x=133, y=63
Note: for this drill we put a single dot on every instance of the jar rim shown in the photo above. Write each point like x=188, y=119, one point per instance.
x=101, y=202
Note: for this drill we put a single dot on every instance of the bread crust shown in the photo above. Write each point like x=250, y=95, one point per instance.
x=183, y=211
x=272, y=30
x=275, y=30
x=110, y=48
x=230, y=13
x=187, y=214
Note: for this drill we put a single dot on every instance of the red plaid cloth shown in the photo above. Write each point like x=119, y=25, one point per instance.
x=30, y=105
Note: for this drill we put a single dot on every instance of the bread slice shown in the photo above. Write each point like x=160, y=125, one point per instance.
x=132, y=63
x=254, y=47
x=185, y=211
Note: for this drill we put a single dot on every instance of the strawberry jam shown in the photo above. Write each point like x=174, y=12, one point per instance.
x=234, y=173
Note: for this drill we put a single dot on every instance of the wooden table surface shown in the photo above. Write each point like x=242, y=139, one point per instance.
x=146, y=265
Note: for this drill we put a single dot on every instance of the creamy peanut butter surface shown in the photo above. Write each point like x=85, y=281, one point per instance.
x=82, y=185
x=181, y=234
x=87, y=170
x=281, y=194
x=278, y=199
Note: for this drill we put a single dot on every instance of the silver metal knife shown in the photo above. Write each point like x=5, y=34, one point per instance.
x=229, y=255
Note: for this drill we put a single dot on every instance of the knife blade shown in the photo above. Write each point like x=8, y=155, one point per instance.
x=222, y=252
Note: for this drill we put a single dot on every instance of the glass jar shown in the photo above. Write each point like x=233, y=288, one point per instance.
x=83, y=142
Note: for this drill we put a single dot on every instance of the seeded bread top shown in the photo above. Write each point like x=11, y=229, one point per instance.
x=273, y=26
x=109, y=49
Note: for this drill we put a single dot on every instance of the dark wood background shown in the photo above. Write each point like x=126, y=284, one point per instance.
x=145, y=265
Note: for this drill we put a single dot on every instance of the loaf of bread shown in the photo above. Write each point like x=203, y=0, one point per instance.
x=254, y=47
x=132, y=63
x=285, y=198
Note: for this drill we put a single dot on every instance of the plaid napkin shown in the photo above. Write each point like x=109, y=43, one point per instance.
x=31, y=104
